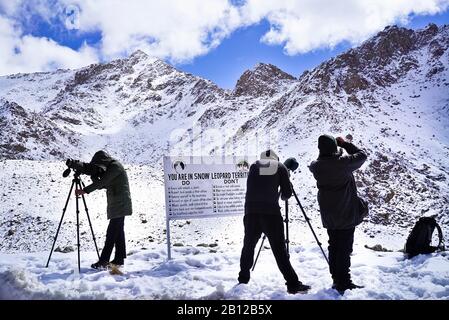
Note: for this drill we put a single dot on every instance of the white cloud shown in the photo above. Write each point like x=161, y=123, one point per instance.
x=304, y=25
x=30, y=54
x=175, y=29
x=180, y=30
x=9, y=7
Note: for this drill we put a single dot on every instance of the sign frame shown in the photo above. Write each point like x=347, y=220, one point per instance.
x=198, y=160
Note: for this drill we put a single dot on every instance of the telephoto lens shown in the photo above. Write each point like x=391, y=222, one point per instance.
x=76, y=165
x=95, y=171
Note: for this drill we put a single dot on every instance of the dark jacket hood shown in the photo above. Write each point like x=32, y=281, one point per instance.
x=327, y=145
x=115, y=181
x=102, y=159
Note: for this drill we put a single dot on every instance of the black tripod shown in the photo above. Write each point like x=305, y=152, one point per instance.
x=287, y=240
x=310, y=225
x=78, y=186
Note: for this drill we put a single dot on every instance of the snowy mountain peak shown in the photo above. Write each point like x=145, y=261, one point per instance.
x=394, y=42
x=267, y=69
x=382, y=60
x=140, y=57
x=263, y=80
x=138, y=54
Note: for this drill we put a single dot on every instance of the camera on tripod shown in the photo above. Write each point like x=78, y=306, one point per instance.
x=80, y=167
x=291, y=164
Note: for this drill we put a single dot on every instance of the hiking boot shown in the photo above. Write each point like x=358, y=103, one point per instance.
x=298, y=288
x=354, y=286
x=243, y=278
x=117, y=262
x=100, y=265
x=341, y=288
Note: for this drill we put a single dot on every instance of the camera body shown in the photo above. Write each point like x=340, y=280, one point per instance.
x=80, y=167
x=291, y=164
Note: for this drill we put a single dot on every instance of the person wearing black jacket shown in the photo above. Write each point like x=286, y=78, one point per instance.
x=263, y=215
x=115, y=181
x=340, y=207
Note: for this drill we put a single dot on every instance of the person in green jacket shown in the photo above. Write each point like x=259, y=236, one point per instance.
x=115, y=181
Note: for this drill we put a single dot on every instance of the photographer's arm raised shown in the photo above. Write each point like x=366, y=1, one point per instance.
x=111, y=173
x=356, y=156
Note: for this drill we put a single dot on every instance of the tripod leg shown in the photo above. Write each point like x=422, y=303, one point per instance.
x=60, y=223
x=78, y=228
x=90, y=224
x=258, y=253
x=308, y=222
x=287, y=239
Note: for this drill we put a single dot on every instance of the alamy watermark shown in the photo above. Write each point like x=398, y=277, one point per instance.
x=71, y=17
x=221, y=145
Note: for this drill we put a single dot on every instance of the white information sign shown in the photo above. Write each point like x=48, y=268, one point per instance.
x=202, y=187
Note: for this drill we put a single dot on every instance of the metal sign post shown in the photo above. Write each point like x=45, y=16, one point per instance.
x=168, y=240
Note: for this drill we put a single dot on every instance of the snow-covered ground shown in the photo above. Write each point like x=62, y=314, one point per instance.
x=206, y=252
x=210, y=273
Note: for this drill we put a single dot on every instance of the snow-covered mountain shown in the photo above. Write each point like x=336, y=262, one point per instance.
x=128, y=105
x=391, y=93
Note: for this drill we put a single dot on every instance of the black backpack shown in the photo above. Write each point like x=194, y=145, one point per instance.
x=420, y=239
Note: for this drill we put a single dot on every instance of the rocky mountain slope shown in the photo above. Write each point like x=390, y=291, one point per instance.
x=391, y=93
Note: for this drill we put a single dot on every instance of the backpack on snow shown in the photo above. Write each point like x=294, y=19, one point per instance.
x=420, y=239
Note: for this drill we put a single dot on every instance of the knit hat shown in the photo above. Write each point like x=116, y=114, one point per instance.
x=327, y=145
x=269, y=155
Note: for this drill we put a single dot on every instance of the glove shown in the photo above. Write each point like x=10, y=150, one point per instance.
x=340, y=141
x=80, y=192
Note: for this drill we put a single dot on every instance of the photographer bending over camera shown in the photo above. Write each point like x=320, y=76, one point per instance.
x=263, y=215
x=115, y=180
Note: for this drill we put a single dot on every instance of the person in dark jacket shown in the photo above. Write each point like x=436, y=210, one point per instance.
x=115, y=181
x=340, y=207
x=263, y=215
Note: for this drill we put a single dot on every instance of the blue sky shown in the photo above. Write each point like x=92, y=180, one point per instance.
x=40, y=38
x=243, y=50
